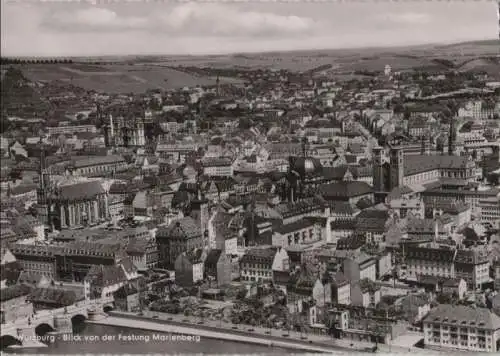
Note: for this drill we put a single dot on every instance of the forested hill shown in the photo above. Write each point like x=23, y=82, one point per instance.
x=19, y=97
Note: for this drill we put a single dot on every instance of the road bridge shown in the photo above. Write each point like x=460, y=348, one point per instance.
x=60, y=319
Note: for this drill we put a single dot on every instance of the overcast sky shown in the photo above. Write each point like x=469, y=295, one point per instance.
x=64, y=29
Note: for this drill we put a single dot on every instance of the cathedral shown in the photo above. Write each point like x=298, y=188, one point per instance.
x=67, y=203
x=304, y=176
x=122, y=130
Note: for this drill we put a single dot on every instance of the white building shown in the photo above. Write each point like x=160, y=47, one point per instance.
x=462, y=328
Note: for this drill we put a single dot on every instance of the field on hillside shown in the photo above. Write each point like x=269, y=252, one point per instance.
x=371, y=59
x=116, y=78
x=138, y=73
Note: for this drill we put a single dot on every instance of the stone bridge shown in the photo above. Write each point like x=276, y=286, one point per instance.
x=493, y=146
x=60, y=320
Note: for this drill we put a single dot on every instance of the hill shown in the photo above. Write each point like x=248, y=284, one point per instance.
x=115, y=77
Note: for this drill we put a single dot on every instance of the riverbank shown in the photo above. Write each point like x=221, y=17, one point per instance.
x=204, y=331
x=112, y=340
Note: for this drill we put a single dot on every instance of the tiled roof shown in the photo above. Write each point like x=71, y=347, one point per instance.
x=80, y=162
x=335, y=173
x=414, y=164
x=23, y=188
x=259, y=254
x=344, y=190
x=454, y=207
x=295, y=226
x=79, y=191
x=398, y=192
x=343, y=224
x=471, y=256
x=127, y=265
x=372, y=220
x=87, y=248
x=104, y=276
x=35, y=250
x=136, y=246
x=216, y=162
x=362, y=171
x=465, y=316
x=364, y=203
x=53, y=296
x=426, y=226
x=430, y=254
x=351, y=242
x=341, y=208
x=185, y=228
x=300, y=207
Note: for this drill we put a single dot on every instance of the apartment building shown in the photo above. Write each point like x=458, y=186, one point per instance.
x=303, y=231
x=218, y=167
x=92, y=165
x=490, y=210
x=258, y=264
x=472, y=265
x=458, y=327
x=430, y=261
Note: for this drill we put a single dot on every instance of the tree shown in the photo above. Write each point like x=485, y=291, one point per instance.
x=445, y=298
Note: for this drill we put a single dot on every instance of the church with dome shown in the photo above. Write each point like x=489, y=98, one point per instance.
x=304, y=176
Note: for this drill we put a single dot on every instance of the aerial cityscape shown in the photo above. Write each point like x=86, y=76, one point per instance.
x=272, y=200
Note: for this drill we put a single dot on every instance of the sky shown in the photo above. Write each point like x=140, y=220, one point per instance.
x=36, y=28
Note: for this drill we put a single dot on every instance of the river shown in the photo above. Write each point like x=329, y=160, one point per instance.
x=140, y=342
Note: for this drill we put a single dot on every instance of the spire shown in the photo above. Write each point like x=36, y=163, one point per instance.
x=304, y=147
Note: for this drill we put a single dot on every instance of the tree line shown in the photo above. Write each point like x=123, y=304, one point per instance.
x=35, y=61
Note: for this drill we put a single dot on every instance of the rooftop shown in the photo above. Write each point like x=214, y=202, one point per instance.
x=344, y=190
x=464, y=316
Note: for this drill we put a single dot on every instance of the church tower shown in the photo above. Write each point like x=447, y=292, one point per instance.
x=397, y=167
x=217, y=84
x=43, y=189
x=200, y=213
x=378, y=171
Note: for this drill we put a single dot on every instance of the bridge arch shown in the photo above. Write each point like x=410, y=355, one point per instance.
x=108, y=307
x=43, y=329
x=78, y=322
x=78, y=318
x=9, y=340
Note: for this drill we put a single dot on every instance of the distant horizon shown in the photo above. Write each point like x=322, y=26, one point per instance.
x=430, y=44
x=62, y=29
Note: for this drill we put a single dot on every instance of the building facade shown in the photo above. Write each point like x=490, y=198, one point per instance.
x=462, y=328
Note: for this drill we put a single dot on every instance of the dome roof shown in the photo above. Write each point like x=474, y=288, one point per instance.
x=306, y=166
x=189, y=173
